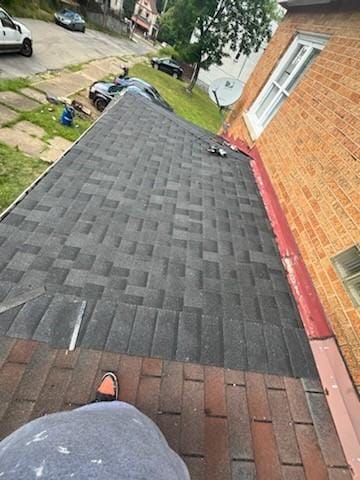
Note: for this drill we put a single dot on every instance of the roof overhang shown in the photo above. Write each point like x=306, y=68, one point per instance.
x=141, y=22
x=304, y=3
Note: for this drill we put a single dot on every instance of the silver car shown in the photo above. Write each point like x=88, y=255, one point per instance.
x=71, y=20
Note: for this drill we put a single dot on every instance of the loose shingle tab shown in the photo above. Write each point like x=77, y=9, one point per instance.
x=169, y=245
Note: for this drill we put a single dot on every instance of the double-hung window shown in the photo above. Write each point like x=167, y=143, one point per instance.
x=292, y=66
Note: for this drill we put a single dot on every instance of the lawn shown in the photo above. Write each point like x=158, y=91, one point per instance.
x=17, y=171
x=30, y=9
x=49, y=121
x=14, y=84
x=196, y=107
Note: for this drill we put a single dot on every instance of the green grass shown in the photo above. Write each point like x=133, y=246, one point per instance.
x=196, y=107
x=17, y=171
x=14, y=84
x=26, y=9
x=49, y=121
x=77, y=67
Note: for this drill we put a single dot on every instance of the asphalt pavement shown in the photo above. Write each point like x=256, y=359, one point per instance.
x=56, y=48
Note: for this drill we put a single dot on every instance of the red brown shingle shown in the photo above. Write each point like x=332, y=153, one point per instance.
x=252, y=434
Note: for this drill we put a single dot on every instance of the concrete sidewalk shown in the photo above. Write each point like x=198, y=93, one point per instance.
x=62, y=84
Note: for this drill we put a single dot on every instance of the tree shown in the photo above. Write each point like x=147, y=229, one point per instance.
x=164, y=4
x=129, y=7
x=167, y=32
x=203, y=28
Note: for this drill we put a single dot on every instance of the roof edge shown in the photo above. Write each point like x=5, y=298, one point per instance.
x=341, y=395
x=288, y=4
x=28, y=189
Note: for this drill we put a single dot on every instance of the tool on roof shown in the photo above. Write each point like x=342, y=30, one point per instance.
x=234, y=148
x=215, y=149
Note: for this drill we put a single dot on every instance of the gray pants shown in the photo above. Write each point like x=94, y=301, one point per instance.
x=108, y=440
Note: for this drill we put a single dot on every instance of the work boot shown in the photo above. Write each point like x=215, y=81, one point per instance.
x=108, y=390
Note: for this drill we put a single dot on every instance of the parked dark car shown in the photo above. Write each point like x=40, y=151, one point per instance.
x=71, y=20
x=101, y=93
x=167, y=65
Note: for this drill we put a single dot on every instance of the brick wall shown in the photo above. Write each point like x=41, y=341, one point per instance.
x=311, y=150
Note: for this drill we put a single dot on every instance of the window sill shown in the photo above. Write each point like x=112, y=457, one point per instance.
x=254, y=129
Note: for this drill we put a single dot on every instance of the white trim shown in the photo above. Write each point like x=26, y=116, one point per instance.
x=310, y=42
x=252, y=125
x=322, y=36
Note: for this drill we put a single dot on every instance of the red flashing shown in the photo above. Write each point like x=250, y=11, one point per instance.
x=311, y=310
x=342, y=399
x=240, y=144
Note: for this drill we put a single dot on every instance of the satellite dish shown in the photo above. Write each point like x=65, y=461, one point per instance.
x=225, y=91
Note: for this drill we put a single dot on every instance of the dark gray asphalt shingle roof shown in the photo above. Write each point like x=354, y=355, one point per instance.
x=170, y=247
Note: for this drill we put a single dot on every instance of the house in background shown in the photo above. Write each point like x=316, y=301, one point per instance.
x=145, y=17
x=301, y=110
x=115, y=6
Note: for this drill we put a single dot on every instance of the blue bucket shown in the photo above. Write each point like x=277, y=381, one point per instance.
x=67, y=116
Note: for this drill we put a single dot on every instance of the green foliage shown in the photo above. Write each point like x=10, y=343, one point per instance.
x=49, y=121
x=76, y=67
x=169, y=51
x=197, y=108
x=41, y=9
x=160, y=5
x=14, y=84
x=129, y=6
x=17, y=171
x=167, y=32
x=213, y=25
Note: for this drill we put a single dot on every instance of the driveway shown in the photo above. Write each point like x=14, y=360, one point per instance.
x=55, y=48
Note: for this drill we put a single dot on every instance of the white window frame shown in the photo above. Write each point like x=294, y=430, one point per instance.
x=255, y=124
x=350, y=278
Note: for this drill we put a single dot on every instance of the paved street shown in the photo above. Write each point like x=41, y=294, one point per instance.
x=55, y=48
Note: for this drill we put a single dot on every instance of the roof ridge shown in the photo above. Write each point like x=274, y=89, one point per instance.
x=190, y=127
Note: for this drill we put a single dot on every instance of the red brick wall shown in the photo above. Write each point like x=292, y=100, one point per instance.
x=311, y=150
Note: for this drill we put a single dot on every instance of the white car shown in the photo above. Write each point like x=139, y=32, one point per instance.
x=14, y=36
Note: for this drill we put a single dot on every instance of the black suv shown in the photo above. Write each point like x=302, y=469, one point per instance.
x=167, y=65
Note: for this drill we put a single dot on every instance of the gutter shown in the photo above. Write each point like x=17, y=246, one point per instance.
x=340, y=392
x=304, y=3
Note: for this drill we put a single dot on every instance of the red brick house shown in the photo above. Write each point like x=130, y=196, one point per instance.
x=301, y=110
x=145, y=17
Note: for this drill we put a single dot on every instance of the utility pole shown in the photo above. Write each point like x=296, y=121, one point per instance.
x=106, y=7
x=165, y=6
